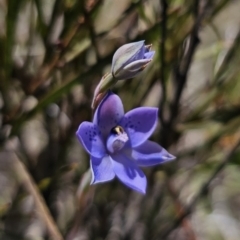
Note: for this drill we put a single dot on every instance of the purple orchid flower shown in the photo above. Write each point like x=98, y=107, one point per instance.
x=118, y=143
x=130, y=59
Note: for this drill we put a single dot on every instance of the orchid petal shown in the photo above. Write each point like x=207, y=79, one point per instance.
x=150, y=154
x=140, y=123
x=88, y=135
x=108, y=114
x=129, y=173
x=149, y=55
x=132, y=69
x=137, y=65
x=101, y=169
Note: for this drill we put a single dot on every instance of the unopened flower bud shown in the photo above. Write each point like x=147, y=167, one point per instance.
x=131, y=59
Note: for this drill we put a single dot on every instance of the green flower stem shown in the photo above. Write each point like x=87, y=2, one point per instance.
x=106, y=83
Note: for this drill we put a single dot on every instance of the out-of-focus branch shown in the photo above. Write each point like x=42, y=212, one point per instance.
x=85, y=195
x=53, y=60
x=178, y=205
x=26, y=180
x=128, y=11
x=41, y=23
x=181, y=71
x=186, y=224
x=6, y=45
x=164, y=9
x=187, y=211
x=57, y=93
x=180, y=74
x=47, y=68
x=91, y=32
x=180, y=78
x=57, y=9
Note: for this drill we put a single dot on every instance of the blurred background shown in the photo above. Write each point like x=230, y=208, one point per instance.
x=54, y=53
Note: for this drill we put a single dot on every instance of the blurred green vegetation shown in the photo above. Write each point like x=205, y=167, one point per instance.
x=54, y=53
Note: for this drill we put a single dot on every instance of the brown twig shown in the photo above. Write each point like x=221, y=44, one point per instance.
x=28, y=183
